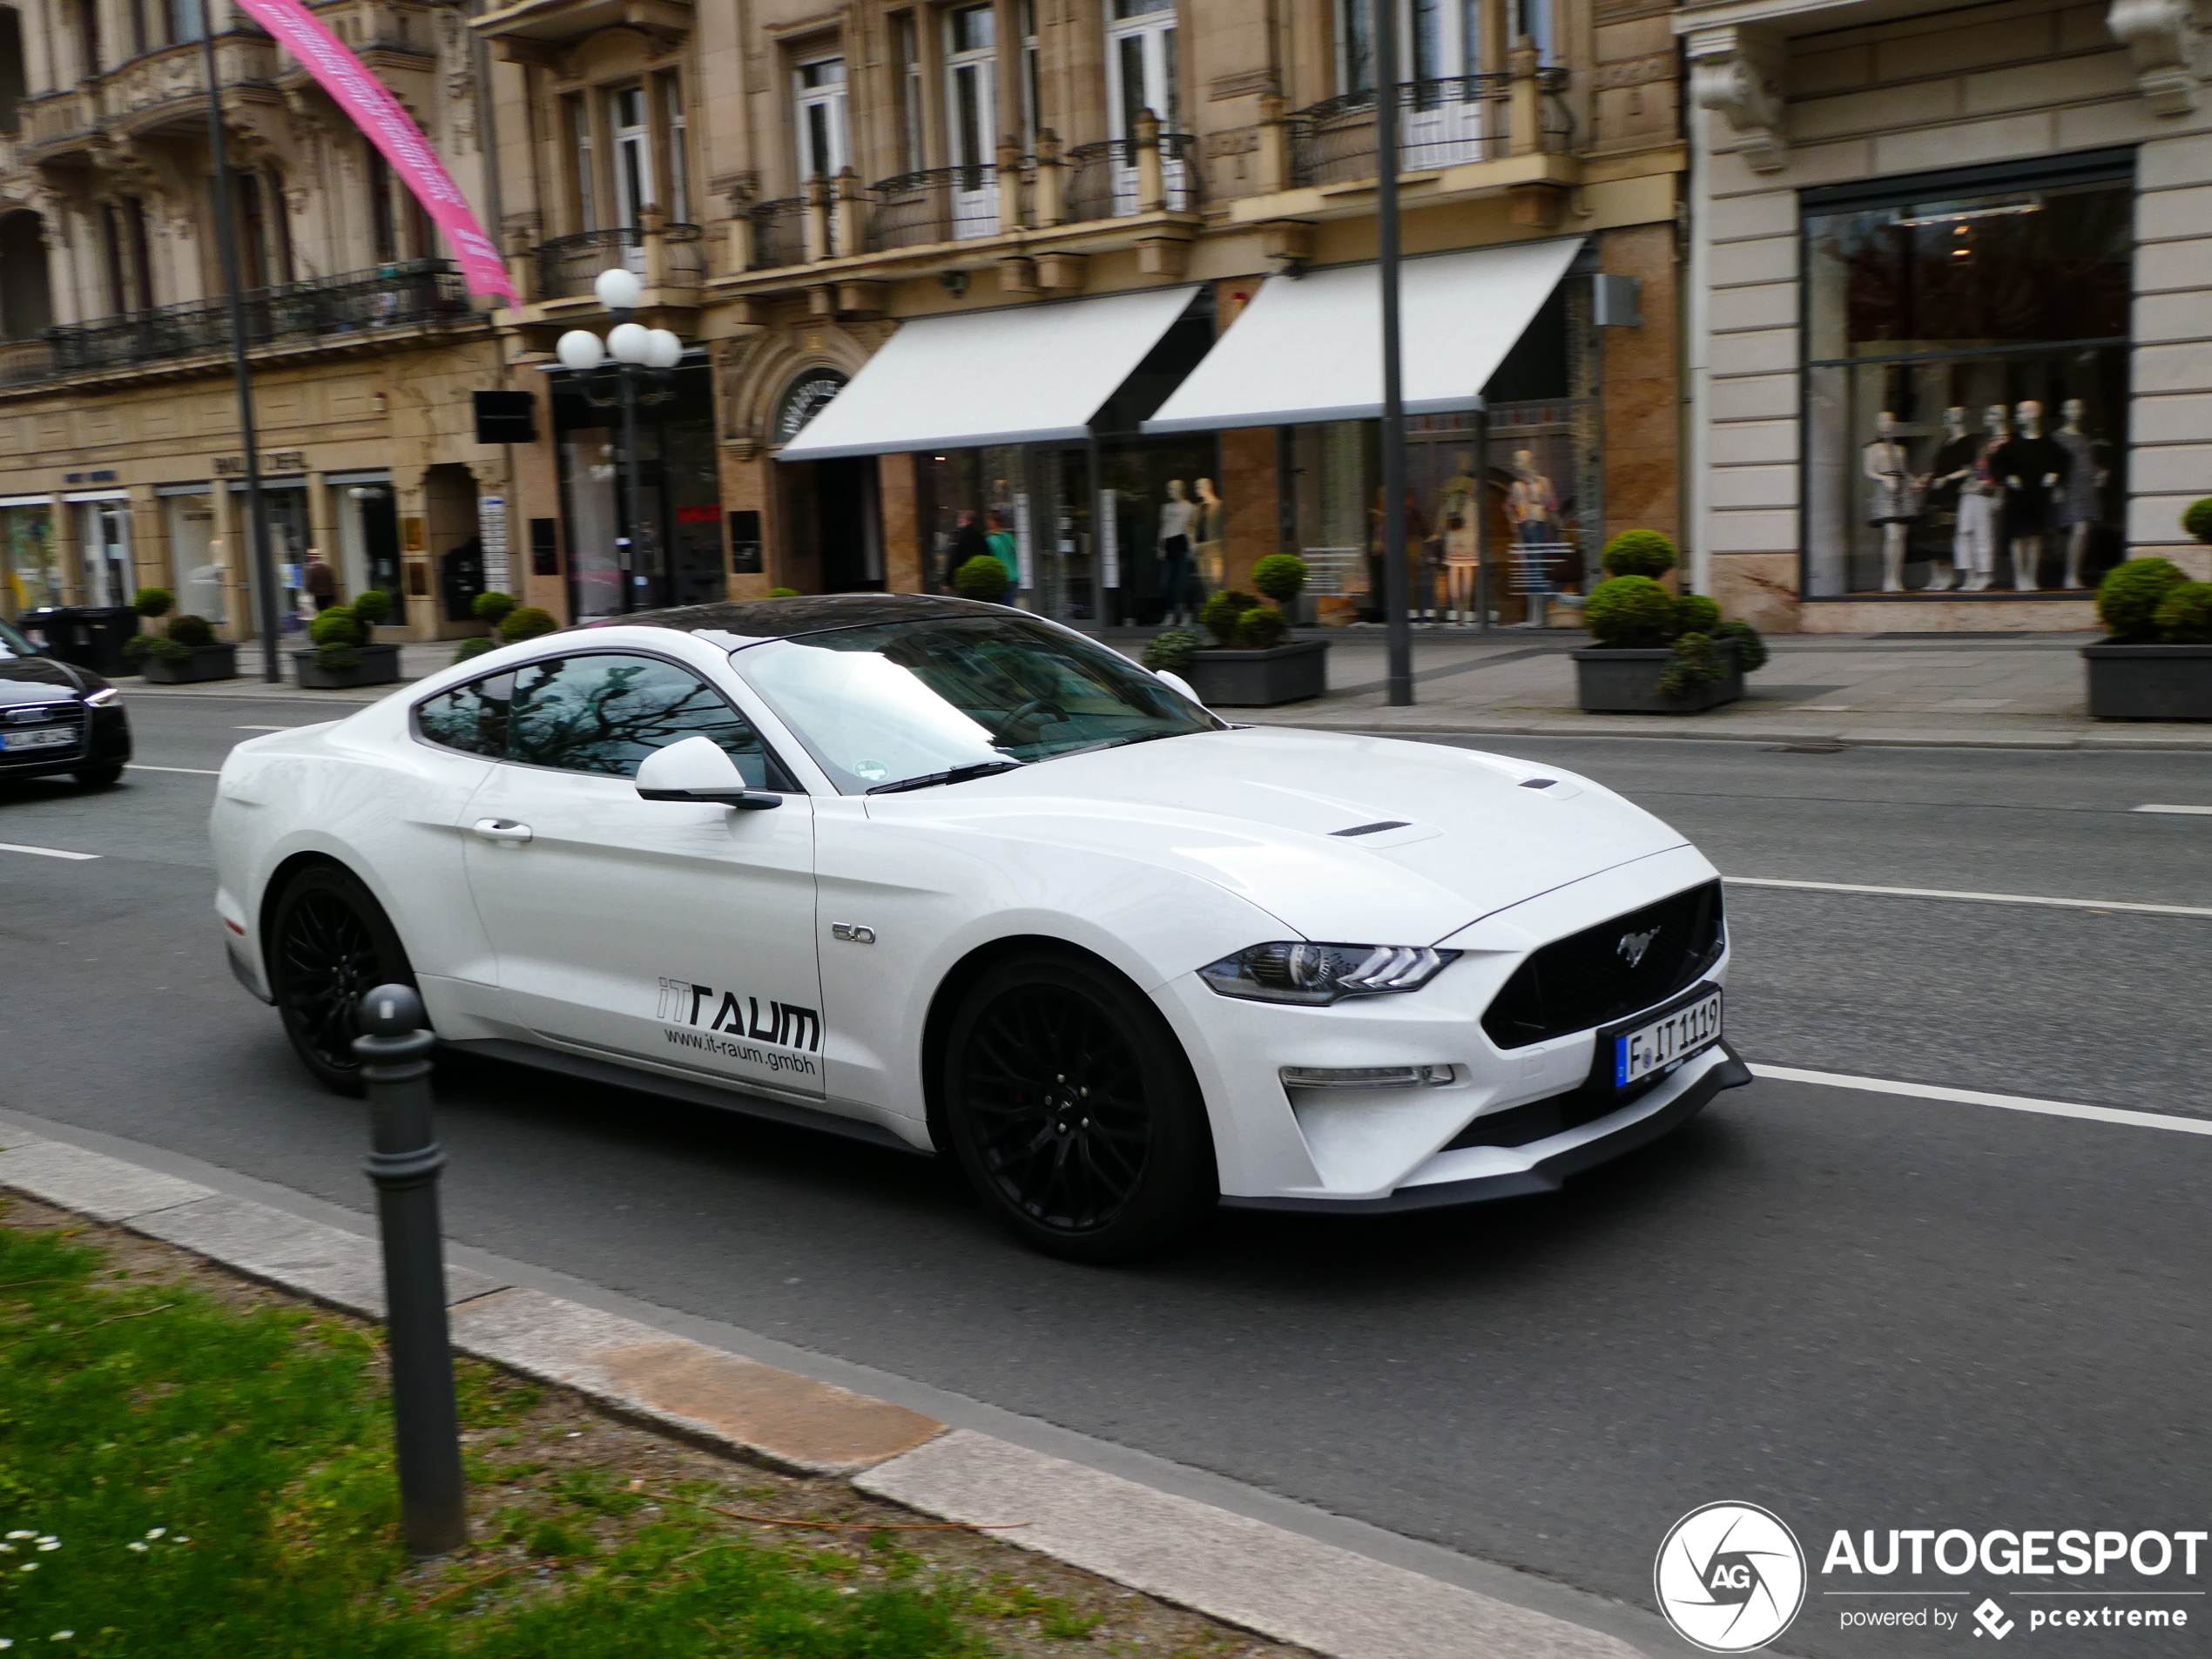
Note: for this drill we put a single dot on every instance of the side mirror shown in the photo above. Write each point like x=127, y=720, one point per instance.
x=1179, y=683
x=697, y=769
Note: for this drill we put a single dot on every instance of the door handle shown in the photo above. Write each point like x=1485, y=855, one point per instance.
x=502, y=830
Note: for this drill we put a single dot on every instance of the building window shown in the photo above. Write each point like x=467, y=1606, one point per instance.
x=679, y=165
x=182, y=20
x=1437, y=40
x=909, y=49
x=971, y=66
x=1032, y=95
x=576, y=127
x=631, y=130
x=1967, y=380
x=820, y=93
x=1141, y=64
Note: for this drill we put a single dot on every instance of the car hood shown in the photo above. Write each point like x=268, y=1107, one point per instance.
x=40, y=679
x=1261, y=810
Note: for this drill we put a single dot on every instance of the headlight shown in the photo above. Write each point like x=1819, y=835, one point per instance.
x=102, y=698
x=1315, y=976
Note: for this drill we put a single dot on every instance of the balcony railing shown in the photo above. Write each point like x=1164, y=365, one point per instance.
x=778, y=232
x=25, y=361
x=1103, y=177
x=567, y=266
x=360, y=303
x=936, y=205
x=1440, y=124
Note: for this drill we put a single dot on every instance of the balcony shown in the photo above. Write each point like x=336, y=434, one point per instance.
x=661, y=256
x=169, y=87
x=1103, y=178
x=779, y=234
x=355, y=309
x=539, y=31
x=937, y=204
x=1440, y=124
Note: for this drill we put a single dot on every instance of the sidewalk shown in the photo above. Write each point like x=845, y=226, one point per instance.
x=1951, y=691
x=1243, y=1572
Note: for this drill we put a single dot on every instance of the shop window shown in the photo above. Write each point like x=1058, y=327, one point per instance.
x=194, y=560
x=30, y=573
x=1966, y=382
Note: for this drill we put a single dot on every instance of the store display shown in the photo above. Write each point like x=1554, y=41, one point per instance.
x=2085, y=479
x=1973, y=546
x=2030, y=466
x=1952, y=466
x=1460, y=530
x=1210, y=530
x=1893, y=501
x=1178, y=514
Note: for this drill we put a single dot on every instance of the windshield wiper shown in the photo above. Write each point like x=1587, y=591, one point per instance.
x=1112, y=743
x=957, y=775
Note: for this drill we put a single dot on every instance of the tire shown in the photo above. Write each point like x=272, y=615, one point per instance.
x=329, y=942
x=1073, y=1111
x=99, y=777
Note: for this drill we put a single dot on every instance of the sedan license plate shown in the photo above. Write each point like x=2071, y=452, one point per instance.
x=53, y=736
x=1662, y=1042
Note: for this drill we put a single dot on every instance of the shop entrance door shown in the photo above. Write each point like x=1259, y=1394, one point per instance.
x=105, y=528
x=1063, y=547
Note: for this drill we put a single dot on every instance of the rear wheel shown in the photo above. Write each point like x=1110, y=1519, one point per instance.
x=1073, y=1111
x=329, y=942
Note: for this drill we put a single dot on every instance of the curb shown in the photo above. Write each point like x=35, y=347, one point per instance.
x=1245, y=1573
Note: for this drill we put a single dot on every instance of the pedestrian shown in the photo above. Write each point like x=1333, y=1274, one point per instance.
x=1003, y=546
x=320, y=582
x=968, y=543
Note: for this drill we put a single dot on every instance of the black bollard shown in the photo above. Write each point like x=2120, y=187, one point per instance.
x=395, y=1050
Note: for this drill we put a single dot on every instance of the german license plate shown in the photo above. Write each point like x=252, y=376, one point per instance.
x=53, y=736
x=1663, y=1042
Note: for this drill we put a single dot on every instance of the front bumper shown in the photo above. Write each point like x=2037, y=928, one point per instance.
x=1541, y=1166
x=102, y=738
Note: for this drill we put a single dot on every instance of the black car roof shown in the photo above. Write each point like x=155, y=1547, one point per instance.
x=805, y=614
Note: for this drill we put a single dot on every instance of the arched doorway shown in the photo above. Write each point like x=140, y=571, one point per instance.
x=831, y=518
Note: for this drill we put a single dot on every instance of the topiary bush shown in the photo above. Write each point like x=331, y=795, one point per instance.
x=783, y=593
x=476, y=647
x=2129, y=597
x=527, y=622
x=1280, y=576
x=1170, y=651
x=137, y=646
x=1751, y=650
x=491, y=608
x=1220, y=613
x=193, y=633
x=1695, y=613
x=153, y=602
x=1638, y=553
x=984, y=577
x=1629, y=610
x=1261, y=629
x=170, y=649
x=336, y=626
x=1695, y=664
x=2184, y=616
x=372, y=606
x=2196, y=519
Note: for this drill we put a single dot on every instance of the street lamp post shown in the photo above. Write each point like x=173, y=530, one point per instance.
x=1399, y=673
x=636, y=351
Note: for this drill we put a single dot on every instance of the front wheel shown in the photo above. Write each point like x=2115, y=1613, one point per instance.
x=329, y=943
x=99, y=777
x=1073, y=1111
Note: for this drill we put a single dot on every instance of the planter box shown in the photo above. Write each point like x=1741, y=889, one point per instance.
x=1260, y=679
x=379, y=665
x=217, y=662
x=1611, y=680
x=2149, y=681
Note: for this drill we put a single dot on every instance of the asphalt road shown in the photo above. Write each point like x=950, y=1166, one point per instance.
x=1861, y=1311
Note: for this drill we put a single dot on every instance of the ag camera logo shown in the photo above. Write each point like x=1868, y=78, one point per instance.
x=1730, y=1577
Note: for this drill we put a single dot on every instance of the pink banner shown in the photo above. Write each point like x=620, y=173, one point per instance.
x=391, y=130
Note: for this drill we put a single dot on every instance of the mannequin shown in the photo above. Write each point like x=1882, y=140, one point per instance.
x=1952, y=466
x=1531, y=506
x=1894, y=503
x=2030, y=465
x=1973, y=545
x=1207, y=528
x=2085, y=481
x=1176, y=515
x=1462, y=540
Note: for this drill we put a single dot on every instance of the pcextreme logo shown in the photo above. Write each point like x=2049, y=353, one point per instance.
x=1730, y=1577
x=693, y=1015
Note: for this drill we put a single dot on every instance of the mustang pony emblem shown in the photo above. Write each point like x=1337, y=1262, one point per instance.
x=1632, y=945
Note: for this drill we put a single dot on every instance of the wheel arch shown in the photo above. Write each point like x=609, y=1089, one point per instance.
x=281, y=877
x=945, y=1002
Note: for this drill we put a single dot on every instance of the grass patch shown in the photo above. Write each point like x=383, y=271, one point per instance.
x=196, y=1468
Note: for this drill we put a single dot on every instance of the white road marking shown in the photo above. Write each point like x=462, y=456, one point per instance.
x=190, y=771
x=1977, y=1097
x=45, y=851
x=265, y=728
x=1970, y=898
x=2178, y=812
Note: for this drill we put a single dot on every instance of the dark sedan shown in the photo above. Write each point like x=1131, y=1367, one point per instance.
x=56, y=717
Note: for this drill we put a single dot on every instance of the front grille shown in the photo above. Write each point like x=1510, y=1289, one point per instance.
x=44, y=717
x=1587, y=979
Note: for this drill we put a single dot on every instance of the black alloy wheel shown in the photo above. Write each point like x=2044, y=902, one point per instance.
x=99, y=777
x=329, y=943
x=1073, y=1110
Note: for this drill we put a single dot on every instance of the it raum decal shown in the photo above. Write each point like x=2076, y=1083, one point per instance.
x=732, y=1027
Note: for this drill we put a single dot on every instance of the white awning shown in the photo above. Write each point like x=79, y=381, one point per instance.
x=1310, y=348
x=1033, y=374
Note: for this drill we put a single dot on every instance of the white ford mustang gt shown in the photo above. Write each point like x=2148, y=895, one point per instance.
x=941, y=874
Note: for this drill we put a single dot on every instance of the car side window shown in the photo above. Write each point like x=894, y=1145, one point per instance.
x=471, y=717
x=604, y=711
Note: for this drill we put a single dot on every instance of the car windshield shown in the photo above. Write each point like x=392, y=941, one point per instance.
x=903, y=703
x=14, y=645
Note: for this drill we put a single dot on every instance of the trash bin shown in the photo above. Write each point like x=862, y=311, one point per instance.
x=88, y=636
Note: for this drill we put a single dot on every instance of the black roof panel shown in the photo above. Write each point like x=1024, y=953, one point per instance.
x=805, y=614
